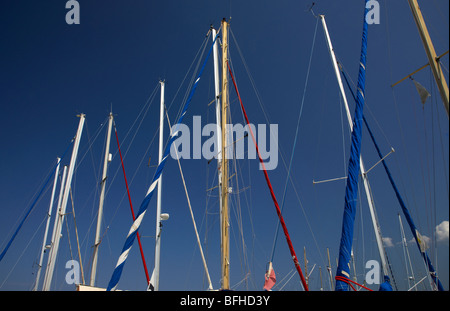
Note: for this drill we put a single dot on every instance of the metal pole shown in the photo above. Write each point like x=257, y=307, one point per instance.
x=49, y=276
x=101, y=202
x=159, y=199
x=49, y=214
x=364, y=176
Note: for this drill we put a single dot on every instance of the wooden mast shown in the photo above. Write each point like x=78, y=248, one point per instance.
x=431, y=53
x=225, y=262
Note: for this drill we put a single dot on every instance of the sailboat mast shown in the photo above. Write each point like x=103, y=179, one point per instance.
x=225, y=262
x=330, y=272
x=218, y=121
x=433, y=60
x=406, y=253
x=364, y=176
x=62, y=208
x=306, y=265
x=158, y=199
x=49, y=214
x=101, y=202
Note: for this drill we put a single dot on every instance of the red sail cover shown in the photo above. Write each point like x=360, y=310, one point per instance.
x=270, y=278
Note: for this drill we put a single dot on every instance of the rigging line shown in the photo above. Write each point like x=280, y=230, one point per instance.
x=189, y=69
x=23, y=252
x=89, y=147
x=198, y=56
x=442, y=150
x=295, y=139
x=288, y=239
x=76, y=234
x=341, y=110
x=238, y=213
x=131, y=205
x=143, y=112
x=149, y=103
x=145, y=203
x=238, y=210
x=281, y=288
x=210, y=287
x=283, y=160
x=34, y=203
x=138, y=166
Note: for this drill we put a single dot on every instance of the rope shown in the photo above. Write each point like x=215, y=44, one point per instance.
x=192, y=213
x=295, y=140
x=348, y=281
x=34, y=203
x=277, y=207
x=131, y=205
x=145, y=203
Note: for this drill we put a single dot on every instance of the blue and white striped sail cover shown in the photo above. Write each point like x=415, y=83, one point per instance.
x=143, y=208
x=351, y=191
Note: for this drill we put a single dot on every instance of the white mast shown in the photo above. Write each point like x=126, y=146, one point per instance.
x=218, y=122
x=158, y=202
x=406, y=253
x=101, y=202
x=363, y=171
x=55, y=223
x=62, y=211
x=49, y=214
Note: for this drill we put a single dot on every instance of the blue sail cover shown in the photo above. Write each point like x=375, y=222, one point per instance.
x=351, y=191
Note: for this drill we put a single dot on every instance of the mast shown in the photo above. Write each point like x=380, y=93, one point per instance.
x=406, y=253
x=101, y=202
x=218, y=121
x=272, y=194
x=330, y=272
x=306, y=265
x=364, y=176
x=225, y=245
x=56, y=222
x=144, y=205
x=49, y=214
x=351, y=189
x=158, y=199
x=433, y=60
x=321, y=284
x=62, y=211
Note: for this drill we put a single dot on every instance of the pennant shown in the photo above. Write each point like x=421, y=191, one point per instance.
x=270, y=278
x=423, y=93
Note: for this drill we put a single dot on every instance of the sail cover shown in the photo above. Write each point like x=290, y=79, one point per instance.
x=351, y=191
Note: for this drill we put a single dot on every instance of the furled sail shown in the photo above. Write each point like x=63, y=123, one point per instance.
x=351, y=191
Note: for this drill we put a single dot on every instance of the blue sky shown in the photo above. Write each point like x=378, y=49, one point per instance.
x=51, y=71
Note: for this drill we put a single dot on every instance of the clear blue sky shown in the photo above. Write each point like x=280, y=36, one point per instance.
x=51, y=71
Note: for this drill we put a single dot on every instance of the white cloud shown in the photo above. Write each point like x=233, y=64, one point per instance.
x=442, y=232
x=387, y=241
x=426, y=240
